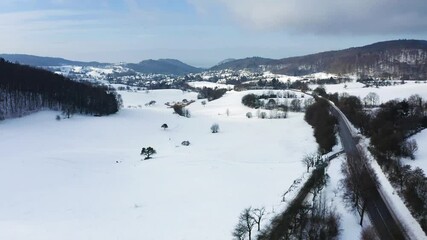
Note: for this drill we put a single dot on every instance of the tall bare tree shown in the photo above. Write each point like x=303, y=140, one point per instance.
x=258, y=214
x=372, y=99
x=245, y=225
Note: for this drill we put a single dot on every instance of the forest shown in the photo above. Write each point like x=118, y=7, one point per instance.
x=24, y=90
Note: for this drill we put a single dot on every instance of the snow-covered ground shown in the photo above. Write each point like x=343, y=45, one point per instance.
x=313, y=76
x=201, y=84
x=385, y=93
x=83, y=178
x=421, y=154
x=350, y=228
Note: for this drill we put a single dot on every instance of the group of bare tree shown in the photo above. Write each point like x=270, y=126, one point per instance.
x=312, y=160
x=371, y=99
x=247, y=221
x=306, y=218
x=359, y=183
x=312, y=219
x=271, y=101
x=412, y=186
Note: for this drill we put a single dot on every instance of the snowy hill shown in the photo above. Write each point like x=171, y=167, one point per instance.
x=38, y=61
x=399, y=59
x=163, y=66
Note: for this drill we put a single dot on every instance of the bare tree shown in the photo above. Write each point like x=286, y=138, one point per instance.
x=415, y=100
x=258, y=214
x=359, y=183
x=401, y=174
x=239, y=231
x=372, y=99
x=409, y=148
x=296, y=105
x=245, y=225
x=248, y=221
x=308, y=161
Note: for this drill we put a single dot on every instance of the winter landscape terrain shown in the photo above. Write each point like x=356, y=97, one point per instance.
x=83, y=177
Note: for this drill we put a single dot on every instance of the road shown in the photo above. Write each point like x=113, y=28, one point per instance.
x=387, y=226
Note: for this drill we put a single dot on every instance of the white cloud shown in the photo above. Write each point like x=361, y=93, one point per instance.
x=326, y=16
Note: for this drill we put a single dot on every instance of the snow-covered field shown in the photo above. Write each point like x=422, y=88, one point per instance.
x=83, y=178
x=350, y=228
x=201, y=84
x=385, y=93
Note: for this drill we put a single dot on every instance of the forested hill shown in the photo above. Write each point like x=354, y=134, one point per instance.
x=45, y=61
x=163, y=66
x=24, y=89
x=398, y=59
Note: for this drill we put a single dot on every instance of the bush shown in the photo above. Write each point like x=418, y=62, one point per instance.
x=249, y=115
x=318, y=116
x=262, y=115
x=211, y=94
x=181, y=111
x=409, y=148
x=215, y=128
x=320, y=91
x=271, y=104
x=251, y=100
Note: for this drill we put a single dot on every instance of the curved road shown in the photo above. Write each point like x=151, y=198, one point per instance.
x=387, y=226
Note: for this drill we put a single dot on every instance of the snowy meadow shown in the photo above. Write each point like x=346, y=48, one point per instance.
x=84, y=177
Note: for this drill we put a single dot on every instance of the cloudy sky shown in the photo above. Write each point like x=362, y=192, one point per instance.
x=202, y=32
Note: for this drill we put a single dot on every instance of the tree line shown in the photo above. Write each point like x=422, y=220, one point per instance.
x=272, y=101
x=323, y=122
x=305, y=218
x=25, y=89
